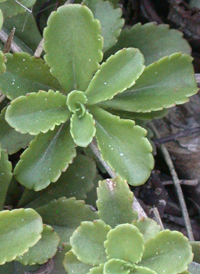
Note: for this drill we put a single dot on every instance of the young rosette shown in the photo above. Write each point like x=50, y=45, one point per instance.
x=78, y=97
x=98, y=249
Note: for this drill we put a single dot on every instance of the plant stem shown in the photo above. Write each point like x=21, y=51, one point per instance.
x=136, y=205
x=176, y=184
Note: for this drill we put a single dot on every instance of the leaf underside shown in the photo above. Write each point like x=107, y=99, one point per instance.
x=47, y=156
x=70, y=65
x=123, y=146
x=163, y=84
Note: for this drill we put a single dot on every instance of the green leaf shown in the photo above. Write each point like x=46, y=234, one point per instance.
x=1, y=19
x=142, y=270
x=88, y=242
x=16, y=225
x=72, y=66
x=117, y=74
x=27, y=35
x=47, y=156
x=92, y=194
x=196, y=250
x=115, y=202
x=148, y=227
x=10, y=139
x=65, y=215
x=140, y=115
x=37, y=112
x=154, y=41
x=73, y=266
x=116, y=266
x=26, y=74
x=11, y=7
x=45, y=249
x=168, y=251
x=123, y=146
x=82, y=129
x=125, y=242
x=97, y=270
x=2, y=64
x=5, y=176
x=163, y=84
x=110, y=19
x=76, y=181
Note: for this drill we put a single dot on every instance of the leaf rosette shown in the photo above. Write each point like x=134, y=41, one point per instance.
x=78, y=108
x=123, y=250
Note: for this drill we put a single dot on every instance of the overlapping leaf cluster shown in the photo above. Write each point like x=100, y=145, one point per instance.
x=123, y=245
x=79, y=99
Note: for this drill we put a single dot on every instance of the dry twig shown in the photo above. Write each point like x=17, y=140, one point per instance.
x=176, y=184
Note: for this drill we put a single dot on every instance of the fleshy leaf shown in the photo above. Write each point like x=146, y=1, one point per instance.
x=45, y=249
x=5, y=176
x=16, y=225
x=88, y=242
x=116, y=266
x=163, y=84
x=140, y=115
x=46, y=157
x=115, y=202
x=148, y=227
x=37, y=112
x=125, y=242
x=26, y=74
x=74, y=266
x=70, y=65
x=2, y=63
x=10, y=139
x=110, y=19
x=123, y=146
x=142, y=270
x=12, y=8
x=168, y=251
x=76, y=182
x=82, y=129
x=1, y=19
x=117, y=74
x=154, y=41
x=97, y=270
x=196, y=250
x=65, y=215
